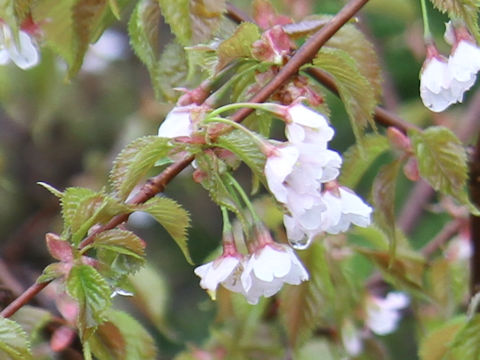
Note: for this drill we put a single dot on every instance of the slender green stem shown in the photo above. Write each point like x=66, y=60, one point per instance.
x=426, y=26
x=238, y=126
x=244, y=197
x=236, y=106
x=227, y=226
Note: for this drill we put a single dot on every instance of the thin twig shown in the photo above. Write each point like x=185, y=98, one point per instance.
x=157, y=184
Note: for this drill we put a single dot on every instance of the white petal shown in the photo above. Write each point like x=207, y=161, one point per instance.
x=177, y=123
x=464, y=62
x=213, y=273
x=25, y=55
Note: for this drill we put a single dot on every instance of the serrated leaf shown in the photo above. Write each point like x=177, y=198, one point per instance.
x=350, y=39
x=467, y=10
x=243, y=146
x=300, y=304
x=173, y=217
x=177, y=15
x=357, y=161
x=218, y=186
x=121, y=239
x=71, y=200
x=442, y=162
x=143, y=29
x=383, y=191
x=122, y=338
x=465, y=345
x=91, y=291
x=354, y=89
x=239, y=45
x=170, y=72
x=435, y=345
x=135, y=161
x=14, y=344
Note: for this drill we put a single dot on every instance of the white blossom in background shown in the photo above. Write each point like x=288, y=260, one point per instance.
x=352, y=339
x=178, y=122
x=23, y=53
x=383, y=314
x=268, y=268
x=443, y=82
x=110, y=47
x=305, y=125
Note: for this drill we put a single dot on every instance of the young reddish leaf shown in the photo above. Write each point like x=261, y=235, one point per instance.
x=265, y=15
x=14, y=343
x=122, y=338
x=239, y=45
x=442, y=162
x=62, y=338
x=384, y=190
x=357, y=162
x=91, y=291
x=354, y=88
x=135, y=161
x=58, y=248
x=436, y=344
x=173, y=217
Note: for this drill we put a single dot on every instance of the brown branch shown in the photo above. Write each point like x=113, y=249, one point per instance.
x=474, y=187
x=157, y=184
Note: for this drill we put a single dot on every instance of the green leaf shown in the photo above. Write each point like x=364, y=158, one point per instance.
x=91, y=291
x=465, y=345
x=300, y=303
x=121, y=337
x=350, y=39
x=173, y=217
x=170, y=72
x=384, y=190
x=51, y=272
x=243, y=146
x=177, y=15
x=14, y=344
x=32, y=320
x=355, y=90
x=442, y=162
x=143, y=29
x=7, y=13
x=436, y=344
x=135, y=161
x=239, y=45
x=356, y=162
x=72, y=200
x=218, y=186
x=467, y=10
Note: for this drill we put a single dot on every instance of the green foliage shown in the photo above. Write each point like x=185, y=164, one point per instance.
x=300, y=304
x=218, y=185
x=14, y=344
x=173, y=218
x=442, y=162
x=465, y=344
x=239, y=45
x=435, y=345
x=205, y=18
x=467, y=10
x=243, y=146
x=384, y=190
x=355, y=90
x=7, y=13
x=177, y=15
x=350, y=39
x=91, y=291
x=135, y=161
x=356, y=161
x=171, y=72
x=122, y=337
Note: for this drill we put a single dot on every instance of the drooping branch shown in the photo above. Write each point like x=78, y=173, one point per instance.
x=157, y=184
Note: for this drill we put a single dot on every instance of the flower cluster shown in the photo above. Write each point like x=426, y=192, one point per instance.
x=23, y=53
x=301, y=175
x=444, y=81
x=262, y=273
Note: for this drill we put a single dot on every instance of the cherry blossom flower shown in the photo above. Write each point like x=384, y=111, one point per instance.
x=383, y=314
x=23, y=53
x=224, y=270
x=270, y=266
x=179, y=122
x=305, y=125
